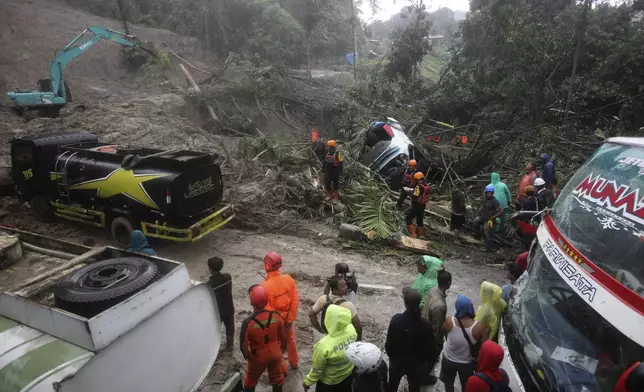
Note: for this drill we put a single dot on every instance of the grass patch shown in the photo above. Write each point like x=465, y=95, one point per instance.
x=434, y=62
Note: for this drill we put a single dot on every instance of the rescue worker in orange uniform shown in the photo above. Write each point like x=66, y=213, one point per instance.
x=282, y=297
x=333, y=161
x=407, y=182
x=261, y=341
x=419, y=199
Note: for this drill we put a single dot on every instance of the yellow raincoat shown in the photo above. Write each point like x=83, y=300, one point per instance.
x=491, y=308
x=329, y=363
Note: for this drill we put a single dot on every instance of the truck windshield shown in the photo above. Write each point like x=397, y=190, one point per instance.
x=601, y=211
x=566, y=345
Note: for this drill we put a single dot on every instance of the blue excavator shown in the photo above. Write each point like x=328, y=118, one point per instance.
x=54, y=93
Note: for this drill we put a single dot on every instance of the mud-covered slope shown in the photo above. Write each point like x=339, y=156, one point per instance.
x=31, y=31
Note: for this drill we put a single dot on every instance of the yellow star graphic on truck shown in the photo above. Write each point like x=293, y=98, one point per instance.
x=125, y=182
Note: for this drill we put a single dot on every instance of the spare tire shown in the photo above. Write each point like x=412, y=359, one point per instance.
x=99, y=286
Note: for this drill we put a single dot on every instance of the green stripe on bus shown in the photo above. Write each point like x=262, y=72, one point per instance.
x=19, y=373
x=6, y=324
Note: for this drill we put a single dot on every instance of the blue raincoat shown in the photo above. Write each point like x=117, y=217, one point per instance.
x=139, y=244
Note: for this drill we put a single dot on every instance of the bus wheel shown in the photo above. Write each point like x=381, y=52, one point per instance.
x=121, y=229
x=41, y=208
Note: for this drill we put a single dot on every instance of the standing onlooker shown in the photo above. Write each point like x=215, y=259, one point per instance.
x=283, y=297
x=342, y=269
x=545, y=197
x=428, y=267
x=514, y=271
x=338, y=291
x=489, y=377
x=458, y=210
x=331, y=370
x=502, y=195
x=548, y=173
x=463, y=334
x=410, y=344
x=529, y=202
x=261, y=341
x=528, y=178
x=435, y=311
x=222, y=286
x=370, y=371
x=491, y=309
x=332, y=168
x=490, y=210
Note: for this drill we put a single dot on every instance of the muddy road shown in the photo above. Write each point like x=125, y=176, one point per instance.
x=309, y=260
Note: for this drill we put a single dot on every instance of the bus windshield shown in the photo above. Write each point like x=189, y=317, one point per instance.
x=601, y=212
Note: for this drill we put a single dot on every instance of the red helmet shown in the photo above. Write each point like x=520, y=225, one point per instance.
x=258, y=297
x=272, y=261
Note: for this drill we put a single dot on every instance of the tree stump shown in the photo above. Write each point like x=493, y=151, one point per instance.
x=10, y=250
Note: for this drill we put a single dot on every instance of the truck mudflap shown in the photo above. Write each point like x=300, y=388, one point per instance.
x=193, y=233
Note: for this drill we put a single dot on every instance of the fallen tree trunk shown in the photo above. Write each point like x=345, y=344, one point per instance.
x=414, y=245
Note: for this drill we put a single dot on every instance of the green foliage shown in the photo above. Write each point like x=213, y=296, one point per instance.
x=408, y=48
x=155, y=66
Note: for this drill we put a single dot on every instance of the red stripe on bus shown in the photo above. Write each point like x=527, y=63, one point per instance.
x=626, y=295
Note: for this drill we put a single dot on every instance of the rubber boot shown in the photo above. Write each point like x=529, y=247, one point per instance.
x=412, y=231
x=420, y=232
x=277, y=388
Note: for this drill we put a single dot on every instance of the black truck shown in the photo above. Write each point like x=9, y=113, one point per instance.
x=172, y=195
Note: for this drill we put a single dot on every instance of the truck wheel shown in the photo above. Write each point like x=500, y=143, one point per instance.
x=121, y=229
x=101, y=285
x=41, y=208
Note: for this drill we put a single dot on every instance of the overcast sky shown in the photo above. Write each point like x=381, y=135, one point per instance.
x=391, y=7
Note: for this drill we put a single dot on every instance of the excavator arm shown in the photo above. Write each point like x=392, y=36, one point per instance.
x=75, y=48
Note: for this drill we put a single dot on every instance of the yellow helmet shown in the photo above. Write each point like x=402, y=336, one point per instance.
x=419, y=176
x=331, y=143
x=413, y=163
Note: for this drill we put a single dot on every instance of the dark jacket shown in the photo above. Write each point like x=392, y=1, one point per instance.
x=410, y=340
x=458, y=202
x=529, y=204
x=548, y=170
x=545, y=198
x=222, y=286
x=371, y=382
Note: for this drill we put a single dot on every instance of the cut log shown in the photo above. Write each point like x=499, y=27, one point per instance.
x=417, y=246
x=198, y=90
x=10, y=250
x=376, y=286
x=468, y=239
x=353, y=232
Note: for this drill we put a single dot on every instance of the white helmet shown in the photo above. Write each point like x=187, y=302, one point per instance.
x=366, y=357
x=539, y=182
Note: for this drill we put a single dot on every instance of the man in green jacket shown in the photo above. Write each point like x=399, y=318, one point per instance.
x=502, y=195
x=332, y=371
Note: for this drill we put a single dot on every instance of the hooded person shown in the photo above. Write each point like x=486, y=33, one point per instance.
x=428, y=267
x=139, y=244
x=491, y=309
x=410, y=344
x=331, y=370
x=531, y=173
x=489, y=376
x=501, y=194
x=261, y=340
x=283, y=297
x=548, y=170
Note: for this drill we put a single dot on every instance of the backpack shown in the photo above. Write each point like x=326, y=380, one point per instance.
x=500, y=386
x=329, y=301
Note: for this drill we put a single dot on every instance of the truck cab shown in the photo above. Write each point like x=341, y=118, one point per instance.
x=575, y=322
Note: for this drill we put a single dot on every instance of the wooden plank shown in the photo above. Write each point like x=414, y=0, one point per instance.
x=468, y=239
x=376, y=286
x=232, y=383
x=416, y=245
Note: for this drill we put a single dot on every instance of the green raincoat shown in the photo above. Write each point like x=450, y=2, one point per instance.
x=491, y=309
x=501, y=191
x=428, y=280
x=329, y=363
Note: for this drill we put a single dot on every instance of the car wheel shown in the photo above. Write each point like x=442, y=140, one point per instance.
x=99, y=286
x=121, y=229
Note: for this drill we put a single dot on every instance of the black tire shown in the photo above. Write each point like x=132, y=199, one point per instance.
x=99, y=286
x=41, y=208
x=121, y=229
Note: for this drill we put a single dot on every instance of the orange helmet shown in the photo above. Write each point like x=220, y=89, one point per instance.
x=419, y=176
x=272, y=261
x=331, y=143
x=258, y=297
x=413, y=163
